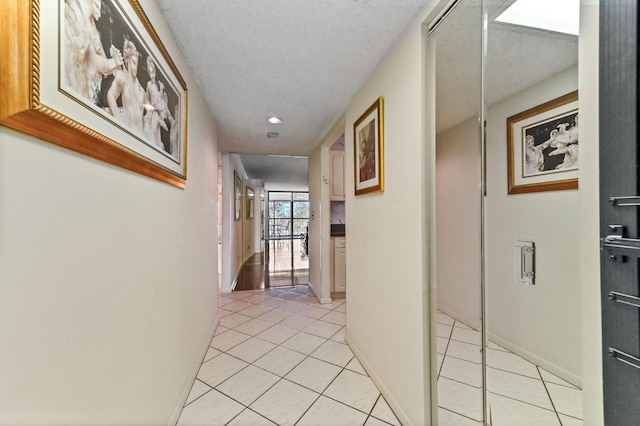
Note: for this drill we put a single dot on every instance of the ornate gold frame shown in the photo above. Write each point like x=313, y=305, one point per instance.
x=22, y=110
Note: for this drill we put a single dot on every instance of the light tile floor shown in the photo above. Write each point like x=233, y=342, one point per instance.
x=279, y=358
x=520, y=393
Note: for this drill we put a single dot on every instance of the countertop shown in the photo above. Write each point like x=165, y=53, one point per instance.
x=337, y=230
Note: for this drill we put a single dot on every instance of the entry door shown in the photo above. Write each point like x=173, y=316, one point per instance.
x=620, y=211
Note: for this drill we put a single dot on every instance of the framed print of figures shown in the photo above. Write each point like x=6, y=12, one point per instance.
x=250, y=200
x=542, y=147
x=368, y=144
x=94, y=77
x=237, y=197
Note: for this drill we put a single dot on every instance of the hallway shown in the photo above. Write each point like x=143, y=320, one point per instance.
x=276, y=267
x=279, y=357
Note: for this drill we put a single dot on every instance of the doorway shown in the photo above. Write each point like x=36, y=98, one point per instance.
x=287, y=239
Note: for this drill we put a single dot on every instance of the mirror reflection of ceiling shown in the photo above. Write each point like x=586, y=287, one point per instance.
x=508, y=47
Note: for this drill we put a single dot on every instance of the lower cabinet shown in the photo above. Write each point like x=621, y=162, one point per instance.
x=339, y=264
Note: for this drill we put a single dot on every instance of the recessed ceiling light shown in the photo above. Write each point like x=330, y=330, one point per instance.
x=274, y=120
x=561, y=16
x=273, y=135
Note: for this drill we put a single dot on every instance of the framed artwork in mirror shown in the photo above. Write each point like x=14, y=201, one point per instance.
x=250, y=200
x=94, y=77
x=237, y=198
x=368, y=144
x=542, y=147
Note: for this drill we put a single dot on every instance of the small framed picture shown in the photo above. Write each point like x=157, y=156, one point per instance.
x=250, y=200
x=368, y=135
x=237, y=199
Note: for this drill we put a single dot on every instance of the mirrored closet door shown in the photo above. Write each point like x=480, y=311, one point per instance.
x=456, y=48
x=506, y=216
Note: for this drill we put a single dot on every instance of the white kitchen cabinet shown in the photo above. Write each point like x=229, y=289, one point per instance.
x=339, y=264
x=337, y=176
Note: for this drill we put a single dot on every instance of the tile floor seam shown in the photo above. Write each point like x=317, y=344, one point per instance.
x=513, y=372
x=253, y=411
x=570, y=416
x=524, y=402
x=347, y=405
x=464, y=359
x=444, y=355
x=195, y=399
x=380, y=420
x=342, y=402
x=331, y=363
x=567, y=385
x=459, y=414
x=259, y=396
x=549, y=395
x=264, y=369
x=373, y=408
x=307, y=410
x=463, y=383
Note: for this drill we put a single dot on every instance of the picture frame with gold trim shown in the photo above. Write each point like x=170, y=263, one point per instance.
x=64, y=61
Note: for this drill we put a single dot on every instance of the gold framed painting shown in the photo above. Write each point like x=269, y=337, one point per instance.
x=94, y=77
x=368, y=144
x=237, y=195
x=542, y=147
x=250, y=200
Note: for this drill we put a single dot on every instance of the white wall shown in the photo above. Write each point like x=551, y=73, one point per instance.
x=316, y=253
x=108, y=296
x=589, y=218
x=320, y=277
x=386, y=283
x=232, y=243
x=540, y=322
x=251, y=227
x=458, y=220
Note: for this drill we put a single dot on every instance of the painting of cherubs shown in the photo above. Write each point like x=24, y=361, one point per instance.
x=108, y=68
x=551, y=146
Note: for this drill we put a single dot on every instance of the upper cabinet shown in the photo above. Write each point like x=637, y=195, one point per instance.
x=337, y=175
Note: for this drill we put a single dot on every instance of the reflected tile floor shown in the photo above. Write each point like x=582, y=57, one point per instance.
x=520, y=393
x=279, y=358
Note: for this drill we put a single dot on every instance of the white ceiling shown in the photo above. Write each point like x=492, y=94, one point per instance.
x=287, y=173
x=304, y=60
x=458, y=60
x=301, y=60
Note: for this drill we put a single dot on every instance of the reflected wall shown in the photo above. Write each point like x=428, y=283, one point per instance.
x=533, y=331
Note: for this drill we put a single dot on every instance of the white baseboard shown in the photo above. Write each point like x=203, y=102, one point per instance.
x=469, y=322
x=535, y=359
x=391, y=401
x=192, y=377
x=315, y=293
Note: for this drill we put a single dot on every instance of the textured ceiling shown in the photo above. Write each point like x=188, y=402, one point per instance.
x=458, y=61
x=300, y=60
x=305, y=60
x=290, y=173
